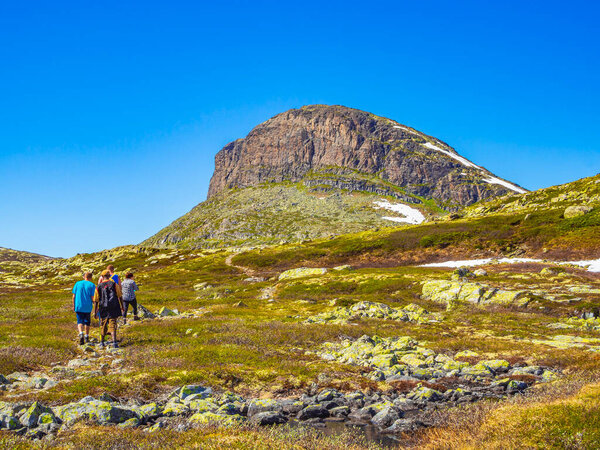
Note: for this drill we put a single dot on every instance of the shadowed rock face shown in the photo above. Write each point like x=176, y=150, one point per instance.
x=326, y=144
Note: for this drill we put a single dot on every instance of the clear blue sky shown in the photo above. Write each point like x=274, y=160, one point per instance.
x=111, y=112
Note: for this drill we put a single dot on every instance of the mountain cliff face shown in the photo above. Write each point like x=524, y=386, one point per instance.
x=320, y=171
x=339, y=146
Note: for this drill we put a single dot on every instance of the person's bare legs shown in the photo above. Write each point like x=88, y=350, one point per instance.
x=80, y=330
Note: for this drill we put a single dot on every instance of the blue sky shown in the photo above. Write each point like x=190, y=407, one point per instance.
x=111, y=112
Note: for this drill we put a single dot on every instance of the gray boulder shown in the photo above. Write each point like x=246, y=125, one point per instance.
x=313, y=411
x=268, y=418
x=30, y=418
x=386, y=417
x=263, y=405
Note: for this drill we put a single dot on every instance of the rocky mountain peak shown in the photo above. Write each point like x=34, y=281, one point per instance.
x=350, y=149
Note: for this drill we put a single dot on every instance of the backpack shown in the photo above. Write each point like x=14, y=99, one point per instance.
x=108, y=294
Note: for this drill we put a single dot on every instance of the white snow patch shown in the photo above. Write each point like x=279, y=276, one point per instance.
x=506, y=184
x=411, y=215
x=591, y=265
x=405, y=129
x=463, y=161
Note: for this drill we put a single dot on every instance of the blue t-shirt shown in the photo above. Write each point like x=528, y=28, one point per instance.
x=84, y=295
x=115, y=278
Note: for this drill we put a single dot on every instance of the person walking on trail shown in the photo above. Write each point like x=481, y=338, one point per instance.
x=108, y=306
x=129, y=287
x=83, y=296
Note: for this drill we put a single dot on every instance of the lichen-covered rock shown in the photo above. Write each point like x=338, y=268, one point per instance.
x=466, y=354
x=339, y=411
x=576, y=211
x=144, y=313
x=302, y=272
x=9, y=422
x=202, y=405
x=478, y=370
x=425, y=394
x=149, y=411
x=212, y=418
x=497, y=365
x=262, y=405
x=342, y=268
x=95, y=410
x=366, y=309
x=30, y=418
x=175, y=409
x=166, y=312
x=192, y=389
x=453, y=292
x=130, y=423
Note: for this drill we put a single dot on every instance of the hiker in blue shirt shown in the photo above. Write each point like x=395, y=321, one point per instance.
x=113, y=275
x=83, y=295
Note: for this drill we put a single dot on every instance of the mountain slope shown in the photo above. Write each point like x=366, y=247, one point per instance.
x=10, y=255
x=322, y=170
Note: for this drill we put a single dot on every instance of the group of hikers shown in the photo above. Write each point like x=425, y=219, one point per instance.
x=108, y=301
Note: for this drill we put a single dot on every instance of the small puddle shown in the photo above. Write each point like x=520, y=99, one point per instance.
x=368, y=431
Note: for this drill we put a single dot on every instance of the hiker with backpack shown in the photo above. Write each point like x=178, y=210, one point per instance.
x=108, y=306
x=129, y=287
x=83, y=295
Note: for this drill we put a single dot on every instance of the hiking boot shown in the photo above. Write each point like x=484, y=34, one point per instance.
x=81, y=340
x=102, y=344
x=124, y=321
x=136, y=318
x=87, y=339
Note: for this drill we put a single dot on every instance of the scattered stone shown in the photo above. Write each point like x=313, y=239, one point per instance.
x=386, y=417
x=453, y=292
x=302, y=272
x=144, y=313
x=313, y=411
x=366, y=309
x=166, y=312
x=255, y=279
x=268, y=418
x=30, y=418
x=576, y=211
x=263, y=405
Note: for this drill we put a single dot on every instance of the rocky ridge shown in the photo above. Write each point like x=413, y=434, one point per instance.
x=332, y=144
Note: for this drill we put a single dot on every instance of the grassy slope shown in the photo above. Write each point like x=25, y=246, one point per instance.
x=273, y=213
x=488, y=230
x=248, y=349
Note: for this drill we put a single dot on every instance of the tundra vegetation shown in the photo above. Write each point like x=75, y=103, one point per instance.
x=241, y=348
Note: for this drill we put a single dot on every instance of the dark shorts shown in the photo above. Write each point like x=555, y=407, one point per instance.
x=84, y=318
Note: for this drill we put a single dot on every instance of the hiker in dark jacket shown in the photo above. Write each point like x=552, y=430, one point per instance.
x=108, y=306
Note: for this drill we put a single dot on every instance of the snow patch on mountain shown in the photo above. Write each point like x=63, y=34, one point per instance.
x=591, y=265
x=463, y=161
x=506, y=184
x=411, y=215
